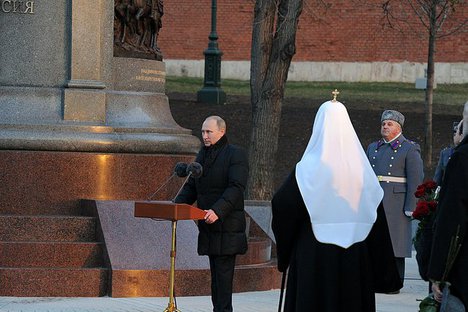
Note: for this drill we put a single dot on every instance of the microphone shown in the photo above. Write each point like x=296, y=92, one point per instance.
x=192, y=170
x=195, y=169
x=181, y=169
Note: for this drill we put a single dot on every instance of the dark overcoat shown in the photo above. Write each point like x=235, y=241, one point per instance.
x=325, y=277
x=452, y=214
x=401, y=158
x=444, y=158
x=220, y=188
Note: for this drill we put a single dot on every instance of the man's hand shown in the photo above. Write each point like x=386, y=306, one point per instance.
x=437, y=292
x=211, y=216
x=409, y=214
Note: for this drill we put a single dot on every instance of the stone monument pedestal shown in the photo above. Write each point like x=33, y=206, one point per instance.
x=76, y=122
x=139, y=249
x=79, y=123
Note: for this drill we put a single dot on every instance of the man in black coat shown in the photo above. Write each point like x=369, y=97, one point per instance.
x=452, y=221
x=220, y=192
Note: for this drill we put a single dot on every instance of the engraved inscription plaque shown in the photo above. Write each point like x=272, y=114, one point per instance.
x=17, y=6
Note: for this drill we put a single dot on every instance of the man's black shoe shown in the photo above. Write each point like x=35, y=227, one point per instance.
x=396, y=292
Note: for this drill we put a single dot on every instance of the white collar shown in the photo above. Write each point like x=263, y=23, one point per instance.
x=399, y=133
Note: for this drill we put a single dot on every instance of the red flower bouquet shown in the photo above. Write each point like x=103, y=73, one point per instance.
x=426, y=205
x=424, y=212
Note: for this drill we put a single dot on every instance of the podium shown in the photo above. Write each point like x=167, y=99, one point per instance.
x=168, y=210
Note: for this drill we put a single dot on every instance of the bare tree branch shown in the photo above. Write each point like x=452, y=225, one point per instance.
x=433, y=15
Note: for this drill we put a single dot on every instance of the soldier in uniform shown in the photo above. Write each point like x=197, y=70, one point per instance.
x=398, y=165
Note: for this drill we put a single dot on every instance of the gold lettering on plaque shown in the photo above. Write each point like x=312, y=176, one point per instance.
x=148, y=78
x=16, y=6
x=148, y=75
x=152, y=72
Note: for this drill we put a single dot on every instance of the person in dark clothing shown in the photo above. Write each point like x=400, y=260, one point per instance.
x=329, y=223
x=220, y=192
x=452, y=219
x=447, y=152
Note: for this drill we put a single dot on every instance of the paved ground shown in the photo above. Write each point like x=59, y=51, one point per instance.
x=261, y=301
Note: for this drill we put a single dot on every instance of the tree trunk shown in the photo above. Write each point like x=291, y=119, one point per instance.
x=432, y=14
x=427, y=152
x=262, y=39
x=272, y=52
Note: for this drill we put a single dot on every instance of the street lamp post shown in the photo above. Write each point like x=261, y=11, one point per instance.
x=211, y=92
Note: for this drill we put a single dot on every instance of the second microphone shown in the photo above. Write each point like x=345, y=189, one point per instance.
x=194, y=169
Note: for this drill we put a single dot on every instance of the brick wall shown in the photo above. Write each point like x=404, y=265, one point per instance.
x=347, y=31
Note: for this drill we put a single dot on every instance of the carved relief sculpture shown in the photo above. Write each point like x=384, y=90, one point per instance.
x=136, y=28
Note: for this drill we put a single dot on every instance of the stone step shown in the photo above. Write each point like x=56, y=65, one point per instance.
x=51, y=254
x=191, y=282
x=259, y=252
x=257, y=277
x=49, y=282
x=47, y=228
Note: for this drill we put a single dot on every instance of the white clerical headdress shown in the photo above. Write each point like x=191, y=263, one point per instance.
x=339, y=187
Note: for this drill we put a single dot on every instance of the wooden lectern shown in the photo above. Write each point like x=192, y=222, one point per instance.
x=168, y=210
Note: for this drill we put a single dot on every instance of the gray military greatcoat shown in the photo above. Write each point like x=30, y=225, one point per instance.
x=400, y=168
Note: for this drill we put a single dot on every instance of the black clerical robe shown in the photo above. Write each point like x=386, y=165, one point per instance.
x=325, y=277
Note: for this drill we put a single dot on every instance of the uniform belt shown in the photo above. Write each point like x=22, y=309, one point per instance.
x=391, y=179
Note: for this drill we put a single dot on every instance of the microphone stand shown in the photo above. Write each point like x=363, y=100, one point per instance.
x=180, y=189
x=163, y=185
x=172, y=306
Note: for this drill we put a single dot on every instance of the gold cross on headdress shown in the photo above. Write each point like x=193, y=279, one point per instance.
x=335, y=94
